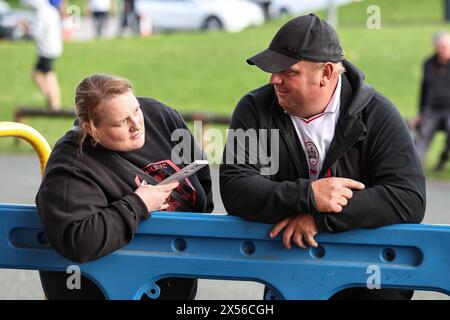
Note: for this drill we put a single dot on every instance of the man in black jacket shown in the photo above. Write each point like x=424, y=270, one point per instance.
x=344, y=158
x=435, y=100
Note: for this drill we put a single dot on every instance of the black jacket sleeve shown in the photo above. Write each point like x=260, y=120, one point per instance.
x=247, y=193
x=80, y=222
x=395, y=186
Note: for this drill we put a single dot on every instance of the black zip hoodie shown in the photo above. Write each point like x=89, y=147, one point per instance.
x=371, y=144
x=88, y=206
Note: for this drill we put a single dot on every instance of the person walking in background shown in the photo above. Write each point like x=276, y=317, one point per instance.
x=47, y=34
x=434, y=112
x=100, y=12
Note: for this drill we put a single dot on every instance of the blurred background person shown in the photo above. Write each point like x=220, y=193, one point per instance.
x=102, y=180
x=100, y=12
x=47, y=34
x=434, y=112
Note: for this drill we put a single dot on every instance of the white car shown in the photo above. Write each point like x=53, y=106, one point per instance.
x=229, y=15
x=279, y=8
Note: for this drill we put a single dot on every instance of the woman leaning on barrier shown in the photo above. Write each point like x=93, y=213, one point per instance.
x=100, y=181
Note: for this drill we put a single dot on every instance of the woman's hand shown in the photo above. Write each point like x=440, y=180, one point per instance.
x=155, y=197
x=331, y=194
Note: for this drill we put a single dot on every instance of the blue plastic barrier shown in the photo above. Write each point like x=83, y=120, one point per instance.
x=224, y=247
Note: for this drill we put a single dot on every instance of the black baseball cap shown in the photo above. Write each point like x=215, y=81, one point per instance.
x=302, y=38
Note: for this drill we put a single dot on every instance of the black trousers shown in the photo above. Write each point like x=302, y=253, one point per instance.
x=55, y=288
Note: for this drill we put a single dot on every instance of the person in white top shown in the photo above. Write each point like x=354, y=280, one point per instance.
x=100, y=11
x=47, y=34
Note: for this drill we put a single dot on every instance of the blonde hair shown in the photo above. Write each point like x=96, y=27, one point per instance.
x=91, y=95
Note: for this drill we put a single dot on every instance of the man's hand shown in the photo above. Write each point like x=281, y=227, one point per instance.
x=301, y=228
x=331, y=194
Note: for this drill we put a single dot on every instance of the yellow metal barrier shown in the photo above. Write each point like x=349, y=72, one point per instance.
x=20, y=130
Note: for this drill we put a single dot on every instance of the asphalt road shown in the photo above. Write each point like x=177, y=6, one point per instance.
x=20, y=176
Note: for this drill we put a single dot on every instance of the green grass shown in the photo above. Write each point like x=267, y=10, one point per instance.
x=207, y=72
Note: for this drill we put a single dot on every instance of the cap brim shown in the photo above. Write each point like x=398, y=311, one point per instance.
x=272, y=61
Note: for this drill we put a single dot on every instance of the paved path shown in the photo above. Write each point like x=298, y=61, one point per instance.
x=20, y=176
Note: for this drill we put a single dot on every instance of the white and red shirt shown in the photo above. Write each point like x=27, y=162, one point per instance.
x=317, y=132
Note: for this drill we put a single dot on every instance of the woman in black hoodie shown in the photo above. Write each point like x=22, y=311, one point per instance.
x=100, y=180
